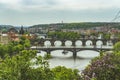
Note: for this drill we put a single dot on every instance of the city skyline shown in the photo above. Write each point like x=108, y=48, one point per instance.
x=31, y=12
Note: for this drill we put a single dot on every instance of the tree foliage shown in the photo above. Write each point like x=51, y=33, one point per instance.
x=64, y=35
x=14, y=47
x=63, y=73
x=25, y=65
x=20, y=67
x=104, y=67
x=117, y=47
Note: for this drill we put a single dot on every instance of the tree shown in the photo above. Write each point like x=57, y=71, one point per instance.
x=117, y=47
x=3, y=50
x=20, y=64
x=106, y=36
x=27, y=43
x=64, y=35
x=20, y=67
x=63, y=73
x=106, y=67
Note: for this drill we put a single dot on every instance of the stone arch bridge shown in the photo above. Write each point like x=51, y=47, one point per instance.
x=73, y=48
x=41, y=42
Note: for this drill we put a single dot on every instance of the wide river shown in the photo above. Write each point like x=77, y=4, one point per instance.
x=60, y=59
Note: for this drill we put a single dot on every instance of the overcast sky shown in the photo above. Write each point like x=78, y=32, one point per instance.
x=31, y=12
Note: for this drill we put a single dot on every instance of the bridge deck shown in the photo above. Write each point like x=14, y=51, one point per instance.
x=72, y=47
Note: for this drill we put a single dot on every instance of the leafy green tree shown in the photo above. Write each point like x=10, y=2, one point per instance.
x=14, y=47
x=63, y=73
x=3, y=50
x=27, y=66
x=27, y=43
x=117, y=47
x=16, y=63
x=64, y=35
x=106, y=36
x=20, y=67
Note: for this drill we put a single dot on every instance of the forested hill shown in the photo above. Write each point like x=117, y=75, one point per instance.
x=79, y=25
x=5, y=28
x=89, y=25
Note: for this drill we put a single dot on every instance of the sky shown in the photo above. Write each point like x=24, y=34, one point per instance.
x=32, y=12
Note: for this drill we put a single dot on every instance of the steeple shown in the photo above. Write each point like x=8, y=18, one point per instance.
x=21, y=30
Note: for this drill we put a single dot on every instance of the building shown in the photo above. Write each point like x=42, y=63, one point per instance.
x=4, y=38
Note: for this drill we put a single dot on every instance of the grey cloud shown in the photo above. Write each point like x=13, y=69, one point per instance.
x=39, y=2
x=15, y=17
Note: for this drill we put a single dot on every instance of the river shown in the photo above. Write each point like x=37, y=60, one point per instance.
x=60, y=59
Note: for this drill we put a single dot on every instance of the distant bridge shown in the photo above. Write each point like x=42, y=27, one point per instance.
x=105, y=45
x=74, y=49
x=83, y=42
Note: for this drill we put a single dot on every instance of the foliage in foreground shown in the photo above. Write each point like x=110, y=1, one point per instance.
x=14, y=47
x=27, y=66
x=117, y=47
x=63, y=73
x=106, y=67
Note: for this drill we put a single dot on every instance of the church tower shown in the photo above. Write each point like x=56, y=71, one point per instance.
x=21, y=31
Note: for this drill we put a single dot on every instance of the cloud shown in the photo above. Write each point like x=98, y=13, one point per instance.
x=10, y=4
x=59, y=4
x=87, y=4
x=30, y=12
x=10, y=1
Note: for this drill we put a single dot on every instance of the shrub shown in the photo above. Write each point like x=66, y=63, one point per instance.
x=106, y=67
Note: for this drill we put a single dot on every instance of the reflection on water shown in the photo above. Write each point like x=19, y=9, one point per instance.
x=60, y=59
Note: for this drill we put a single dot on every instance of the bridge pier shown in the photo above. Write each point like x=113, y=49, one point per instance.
x=73, y=42
x=63, y=43
x=52, y=43
x=74, y=54
x=94, y=42
x=48, y=51
x=104, y=42
x=41, y=42
x=115, y=41
x=83, y=42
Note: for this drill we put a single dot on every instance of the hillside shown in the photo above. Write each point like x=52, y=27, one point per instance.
x=84, y=25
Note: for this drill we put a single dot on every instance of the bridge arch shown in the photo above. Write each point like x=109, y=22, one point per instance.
x=99, y=43
x=41, y=53
x=68, y=50
x=68, y=43
x=86, y=54
x=47, y=43
x=57, y=43
x=88, y=50
x=78, y=43
x=61, y=54
x=88, y=43
x=109, y=43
